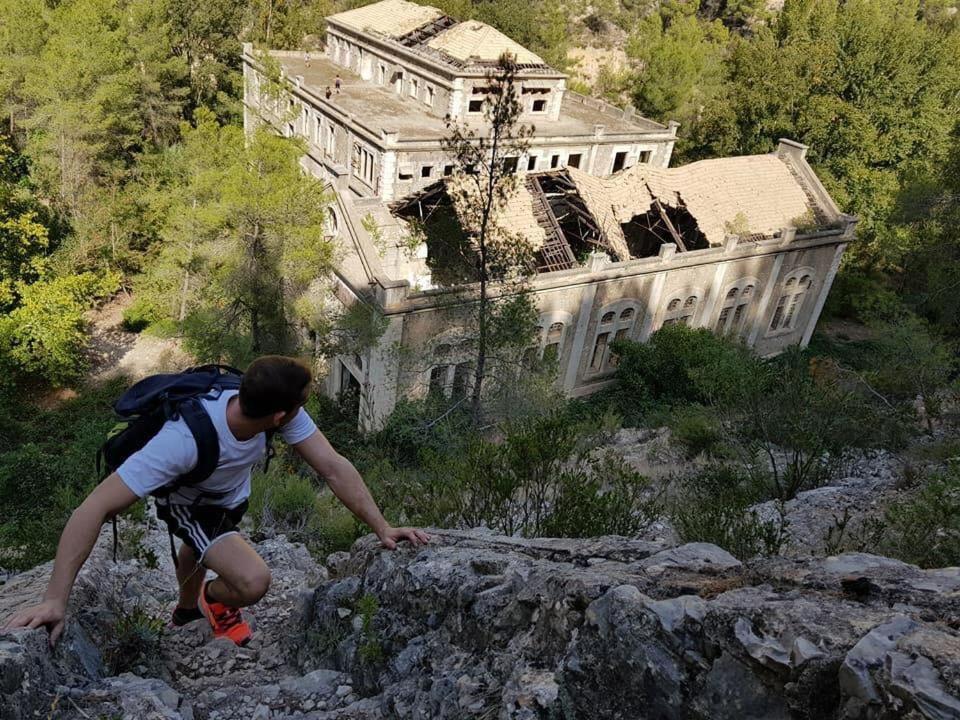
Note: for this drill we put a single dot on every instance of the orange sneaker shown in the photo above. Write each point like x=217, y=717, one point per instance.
x=225, y=620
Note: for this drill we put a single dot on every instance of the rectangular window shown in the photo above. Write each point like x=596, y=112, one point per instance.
x=414, y=88
x=331, y=140
x=722, y=322
x=381, y=74
x=429, y=98
x=447, y=170
x=599, y=350
x=551, y=352
x=554, y=161
x=461, y=381
x=363, y=163
x=438, y=378
x=475, y=106
x=574, y=160
x=644, y=156
x=401, y=175
x=539, y=106
x=426, y=171
x=778, y=313
x=510, y=165
x=738, y=317
x=318, y=132
x=532, y=162
x=792, y=311
x=619, y=160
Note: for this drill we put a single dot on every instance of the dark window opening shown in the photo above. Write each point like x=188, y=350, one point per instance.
x=554, y=161
x=426, y=171
x=644, y=156
x=532, y=162
x=447, y=170
x=475, y=106
x=510, y=164
x=619, y=160
x=438, y=378
x=451, y=255
x=574, y=160
x=599, y=350
x=646, y=233
x=539, y=105
x=404, y=176
x=350, y=391
x=461, y=381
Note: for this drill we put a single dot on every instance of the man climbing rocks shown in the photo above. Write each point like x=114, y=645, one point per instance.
x=205, y=515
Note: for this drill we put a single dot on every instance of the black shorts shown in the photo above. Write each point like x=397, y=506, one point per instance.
x=200, y=526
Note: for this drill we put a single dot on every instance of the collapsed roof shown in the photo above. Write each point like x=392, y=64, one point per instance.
x=565, y=214
x=427, y=30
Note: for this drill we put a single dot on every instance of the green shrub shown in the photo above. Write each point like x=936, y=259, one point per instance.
x=696, y=429
x=282, y=502
x=134, y=641
x=607, y=499
x=714, y=506
x=924, y=528
x=680, y=365
x=142, y=312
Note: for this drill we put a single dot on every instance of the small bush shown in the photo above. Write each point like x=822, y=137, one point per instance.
x=134, y=641
x=696, y=429
x=141, y=313
x=282, y=502
x=714, y=506
x=924, y=528
x=607, y=499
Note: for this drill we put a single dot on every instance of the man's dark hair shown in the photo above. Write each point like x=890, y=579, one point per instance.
x=273, y=383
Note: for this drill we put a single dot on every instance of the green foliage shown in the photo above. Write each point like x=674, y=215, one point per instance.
x=134, y=640
x=714, y=506
x=682, y=365
x=924, y=528
x=282, y=501
x=696, y=429
x=541, y=476
x=370, y=650
x=681, y=65
x=46, y=469
x=45, y=336
x=789, y=419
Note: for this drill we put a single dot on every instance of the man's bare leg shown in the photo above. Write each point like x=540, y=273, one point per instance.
x=190, y=575
x=242, y=575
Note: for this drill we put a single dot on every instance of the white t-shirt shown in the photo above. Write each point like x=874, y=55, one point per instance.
x=173, y=452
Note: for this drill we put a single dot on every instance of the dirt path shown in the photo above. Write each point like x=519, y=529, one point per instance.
x=115, y=351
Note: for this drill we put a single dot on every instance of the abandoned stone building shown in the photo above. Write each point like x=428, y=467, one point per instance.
x=624, y=244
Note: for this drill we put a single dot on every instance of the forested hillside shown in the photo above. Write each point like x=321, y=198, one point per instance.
x=123, y=170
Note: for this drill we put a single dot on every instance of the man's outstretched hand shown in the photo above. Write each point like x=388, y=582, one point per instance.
x=48, y=613
x=390, y=536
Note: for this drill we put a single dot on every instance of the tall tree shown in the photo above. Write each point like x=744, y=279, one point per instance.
x=484, y=182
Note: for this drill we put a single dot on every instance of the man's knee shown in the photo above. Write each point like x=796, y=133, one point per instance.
x=254, y=584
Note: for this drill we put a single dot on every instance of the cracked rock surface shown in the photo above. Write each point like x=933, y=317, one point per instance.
x=477, y=625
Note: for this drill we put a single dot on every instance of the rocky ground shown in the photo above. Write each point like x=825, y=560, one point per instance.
x=490, y=627
x=485, y=626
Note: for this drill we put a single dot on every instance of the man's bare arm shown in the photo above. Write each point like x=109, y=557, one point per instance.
x=77, y=540
x=348, y=486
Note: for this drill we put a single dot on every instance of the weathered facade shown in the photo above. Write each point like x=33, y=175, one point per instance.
x=747, y=246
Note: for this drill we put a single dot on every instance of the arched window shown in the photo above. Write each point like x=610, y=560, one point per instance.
x=617, y=323
x=733, y=314
x=791, y=299
x=682, y=309
x=548, y=338
x=331, y=225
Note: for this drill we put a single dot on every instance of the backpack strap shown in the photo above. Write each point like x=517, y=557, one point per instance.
x=205, y=435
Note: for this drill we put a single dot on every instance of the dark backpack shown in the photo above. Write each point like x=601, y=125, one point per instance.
x=146, y=406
